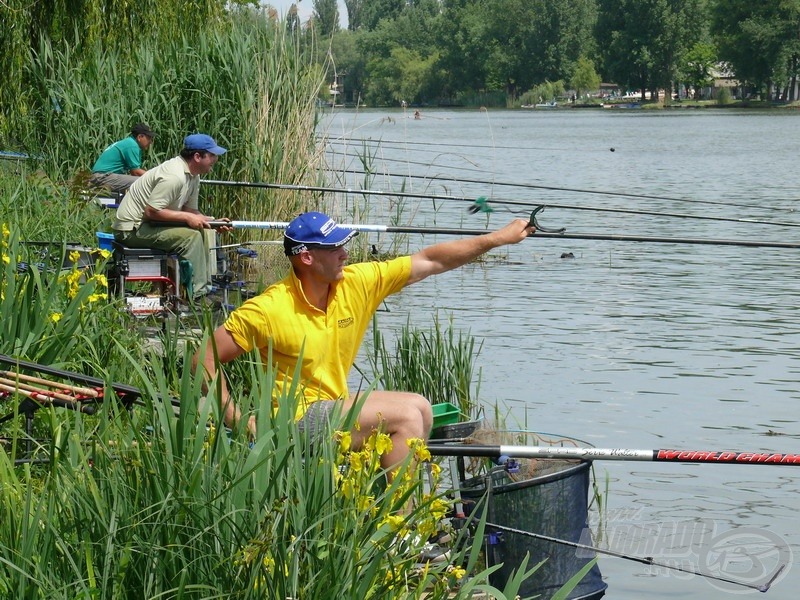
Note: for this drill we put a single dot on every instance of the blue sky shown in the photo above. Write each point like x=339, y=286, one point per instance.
x=304, y=8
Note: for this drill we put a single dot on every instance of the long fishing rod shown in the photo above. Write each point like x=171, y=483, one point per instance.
x=716, y=457
x=538, y=234
x=565, y=189
x=482, y=204
x=127, y=393
x=645, y=560
x=382, y=142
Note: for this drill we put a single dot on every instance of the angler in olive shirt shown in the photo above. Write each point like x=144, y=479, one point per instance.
x=161, y=210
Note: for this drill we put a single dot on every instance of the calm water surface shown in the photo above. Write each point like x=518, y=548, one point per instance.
x=628, y=344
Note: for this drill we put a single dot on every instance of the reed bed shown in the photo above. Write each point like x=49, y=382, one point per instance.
x=438, y=363
x=250, y=84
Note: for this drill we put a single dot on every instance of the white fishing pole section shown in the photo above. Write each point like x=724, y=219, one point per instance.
x=285, y=224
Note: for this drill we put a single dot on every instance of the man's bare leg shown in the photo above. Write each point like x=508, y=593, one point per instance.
x=401, y=415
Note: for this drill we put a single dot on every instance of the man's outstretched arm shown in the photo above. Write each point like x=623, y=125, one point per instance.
x=451, y=255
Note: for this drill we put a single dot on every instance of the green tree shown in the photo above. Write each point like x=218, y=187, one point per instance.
x=562, y=33
x=374, y=11
x=402, y=76
x=483, y=49
x=414, y=31
x=642, y=42
x=326, y=17
x=463, y=60
x=349, y=64
x=761, y=40
x=697, y=67
x=584, y=78
x=355, y=13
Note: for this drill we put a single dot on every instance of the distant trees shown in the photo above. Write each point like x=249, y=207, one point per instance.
x=760, y=40
x=326, y=17
x=355, y=13
x=643, y=43
x=584, y=77
x=430, y=51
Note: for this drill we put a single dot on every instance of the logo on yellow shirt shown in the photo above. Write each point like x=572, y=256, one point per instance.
x=343, y=323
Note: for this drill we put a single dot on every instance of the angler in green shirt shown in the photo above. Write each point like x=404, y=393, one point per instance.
x=121, y=163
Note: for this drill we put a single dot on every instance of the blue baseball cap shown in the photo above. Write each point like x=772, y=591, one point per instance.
x=314, y=230
x=201, y=141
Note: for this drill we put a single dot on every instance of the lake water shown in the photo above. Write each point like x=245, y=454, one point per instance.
x=630, y=345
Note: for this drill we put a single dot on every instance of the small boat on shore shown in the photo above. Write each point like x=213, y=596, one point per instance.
x=622, y=105
x=552, y=104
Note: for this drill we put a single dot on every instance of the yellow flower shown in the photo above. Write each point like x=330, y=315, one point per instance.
x=105, y=254
x=357, y=460
x=55, y=317
x=73, y=279
x=348, y=490
x=345, y=440
x=74, y=257
x=439, y=508
x=269, y=563
x=456, y=572
x=6, y=259
x=383, y=444
x=364, y=502
x=101, y=281
x=395, y=522
x=417, y=446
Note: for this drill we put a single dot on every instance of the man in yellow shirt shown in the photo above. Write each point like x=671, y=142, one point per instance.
x=321, y=311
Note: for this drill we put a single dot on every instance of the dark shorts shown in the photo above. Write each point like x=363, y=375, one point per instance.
x=316, y=418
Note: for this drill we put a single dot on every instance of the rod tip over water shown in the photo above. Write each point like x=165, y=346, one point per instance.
x=765, y=588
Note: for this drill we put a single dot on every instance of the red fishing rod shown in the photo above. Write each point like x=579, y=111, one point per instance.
x=717, y=457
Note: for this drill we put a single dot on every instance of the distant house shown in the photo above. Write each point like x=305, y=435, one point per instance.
x=722, y=77
x=610, y=90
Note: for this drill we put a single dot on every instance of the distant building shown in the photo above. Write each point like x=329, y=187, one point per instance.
x=722, y=77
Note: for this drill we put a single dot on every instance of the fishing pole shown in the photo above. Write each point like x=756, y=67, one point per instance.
x=404, y=144
x=716, y=457
x=645, y=560
x=127, y=393
x=538, y=234
x=482, y=204
x=565, y=189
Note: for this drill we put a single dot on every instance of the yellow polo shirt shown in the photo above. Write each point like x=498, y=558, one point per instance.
x=329, y=340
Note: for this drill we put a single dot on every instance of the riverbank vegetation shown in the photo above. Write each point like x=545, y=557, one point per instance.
x=155, y=499
x=491, y=52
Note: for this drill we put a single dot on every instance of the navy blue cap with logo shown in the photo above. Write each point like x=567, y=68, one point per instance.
x=315, y=230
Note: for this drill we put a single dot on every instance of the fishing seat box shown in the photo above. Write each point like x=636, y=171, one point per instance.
x=159, y=270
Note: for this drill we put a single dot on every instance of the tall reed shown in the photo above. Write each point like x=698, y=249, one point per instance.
x=438, y=363
x=249, y=84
